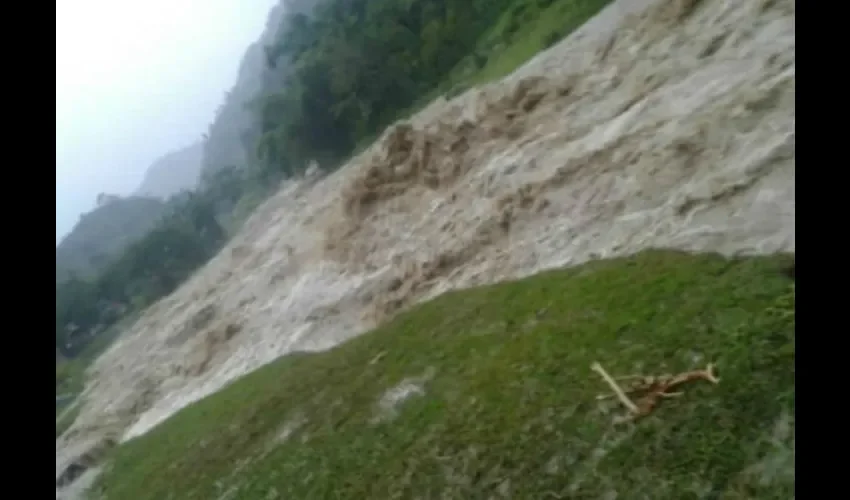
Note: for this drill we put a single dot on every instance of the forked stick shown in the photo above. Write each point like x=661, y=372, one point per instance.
x=707, y=374
x=628, y=403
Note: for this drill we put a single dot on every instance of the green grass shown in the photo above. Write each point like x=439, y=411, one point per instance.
x=526, y=29
x=507, y=406
x=69, y=377
x=522, y=31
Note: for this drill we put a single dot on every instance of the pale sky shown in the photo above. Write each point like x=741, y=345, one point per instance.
x=136, y=80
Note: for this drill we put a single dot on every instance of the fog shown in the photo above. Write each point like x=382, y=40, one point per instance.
x=136, y=80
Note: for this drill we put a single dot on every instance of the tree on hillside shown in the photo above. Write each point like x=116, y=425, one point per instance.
x=354, y=66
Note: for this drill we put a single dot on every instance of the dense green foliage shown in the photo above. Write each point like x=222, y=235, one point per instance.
x=357, y=65
x=502, y=401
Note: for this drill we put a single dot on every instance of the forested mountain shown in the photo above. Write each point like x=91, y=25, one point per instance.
x=175, y=172
x=229, y=139
x=105, y=232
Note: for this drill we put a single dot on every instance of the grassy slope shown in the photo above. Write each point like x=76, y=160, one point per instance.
x=526, y=29
x=508, y=404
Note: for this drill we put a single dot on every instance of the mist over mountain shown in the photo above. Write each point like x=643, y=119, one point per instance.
x=105, y=232
x=176, y=171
